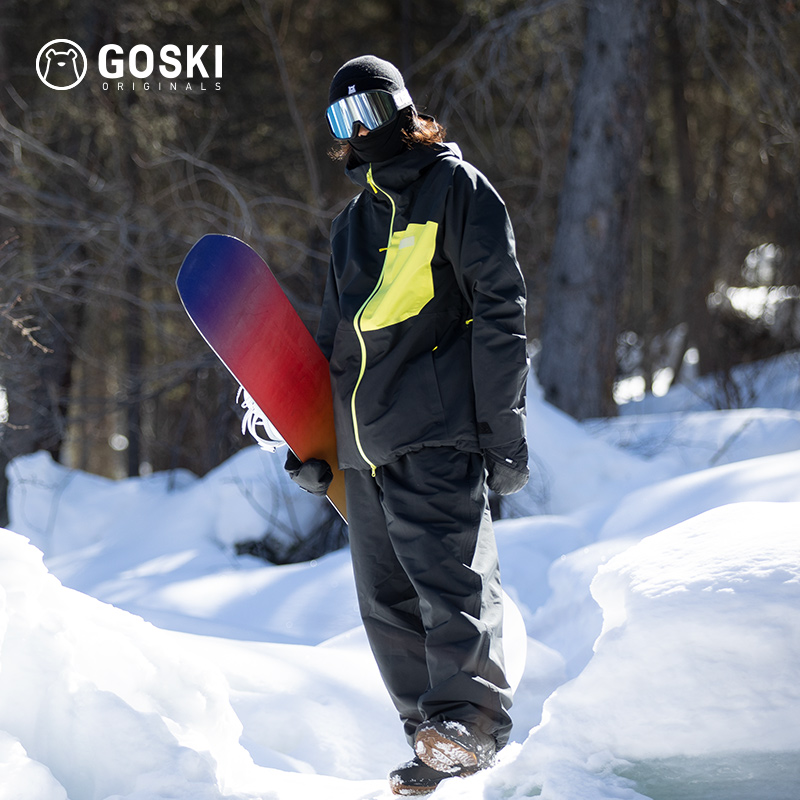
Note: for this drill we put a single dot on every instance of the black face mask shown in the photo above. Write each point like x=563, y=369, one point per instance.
x=384, y=143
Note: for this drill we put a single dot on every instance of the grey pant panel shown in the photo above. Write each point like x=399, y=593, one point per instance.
x=428, y=583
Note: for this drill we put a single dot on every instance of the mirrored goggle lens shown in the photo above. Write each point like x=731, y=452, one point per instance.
x=371, y=109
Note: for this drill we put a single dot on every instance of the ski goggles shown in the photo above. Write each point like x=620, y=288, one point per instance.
x=372, y=109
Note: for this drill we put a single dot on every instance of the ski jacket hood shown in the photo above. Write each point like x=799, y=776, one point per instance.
x=423, y=319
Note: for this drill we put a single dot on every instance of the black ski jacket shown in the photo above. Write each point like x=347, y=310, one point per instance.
x=423, y=318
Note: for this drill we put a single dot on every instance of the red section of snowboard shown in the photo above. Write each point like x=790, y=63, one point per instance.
x=239, y=308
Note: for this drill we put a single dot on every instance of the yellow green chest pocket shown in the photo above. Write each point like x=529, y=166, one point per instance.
x=406, y=284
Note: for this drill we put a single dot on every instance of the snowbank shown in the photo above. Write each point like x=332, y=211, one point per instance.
x=570, y=469
x=698, y=658
x=101, y=699
x=96, y=703
x=698, y=661
x=687, y=442
x=62, y=510
x=648, y=510
x=711, y=611
x=662, y=628
x=162, y=546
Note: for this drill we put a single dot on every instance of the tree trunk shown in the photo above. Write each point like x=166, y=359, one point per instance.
x=590, y=256
x=693, y=280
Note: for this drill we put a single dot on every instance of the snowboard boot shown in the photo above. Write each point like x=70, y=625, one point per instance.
x=415, y=778
x=453, y=747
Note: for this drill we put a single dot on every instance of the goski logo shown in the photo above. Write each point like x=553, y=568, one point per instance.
x=61, y=64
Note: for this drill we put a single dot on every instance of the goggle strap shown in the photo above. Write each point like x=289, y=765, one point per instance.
x=402, y=99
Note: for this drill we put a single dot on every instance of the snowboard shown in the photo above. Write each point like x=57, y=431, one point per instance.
x=237, y=305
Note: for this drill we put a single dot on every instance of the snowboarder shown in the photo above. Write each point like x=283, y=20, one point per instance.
x=423, y=322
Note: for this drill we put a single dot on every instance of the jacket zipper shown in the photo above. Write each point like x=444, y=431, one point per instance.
x=357, y=321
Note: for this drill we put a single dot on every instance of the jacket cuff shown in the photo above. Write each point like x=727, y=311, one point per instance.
x=499, y=433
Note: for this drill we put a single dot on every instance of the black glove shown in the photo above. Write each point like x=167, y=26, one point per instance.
x=314, y=475
x=507, y=467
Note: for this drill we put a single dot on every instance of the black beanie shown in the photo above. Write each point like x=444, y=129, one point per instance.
x=362, y=74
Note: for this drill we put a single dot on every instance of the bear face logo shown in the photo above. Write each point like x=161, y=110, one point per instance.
x=61, y=64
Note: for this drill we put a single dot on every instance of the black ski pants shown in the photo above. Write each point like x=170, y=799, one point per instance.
x=428, y=583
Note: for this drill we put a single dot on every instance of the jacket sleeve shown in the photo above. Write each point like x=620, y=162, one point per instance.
x=329, y=315
x=479, y=242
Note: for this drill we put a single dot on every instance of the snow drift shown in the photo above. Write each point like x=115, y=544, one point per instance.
x=699, y=655
x=662, y=617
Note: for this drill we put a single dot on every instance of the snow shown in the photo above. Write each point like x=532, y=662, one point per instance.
x=652, y=570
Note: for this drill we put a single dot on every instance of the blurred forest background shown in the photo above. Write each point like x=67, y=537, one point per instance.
x=648, y=151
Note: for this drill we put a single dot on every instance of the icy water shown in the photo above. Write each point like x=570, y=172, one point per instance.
x=745, y=776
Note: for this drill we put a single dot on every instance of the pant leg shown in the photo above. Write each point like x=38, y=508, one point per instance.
x=430, y=594
x=387, y=600
x=439, y=523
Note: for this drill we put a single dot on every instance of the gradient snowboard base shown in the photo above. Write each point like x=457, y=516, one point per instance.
x=234, y=300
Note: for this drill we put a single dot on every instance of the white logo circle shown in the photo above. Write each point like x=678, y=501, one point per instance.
x=61, y=64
